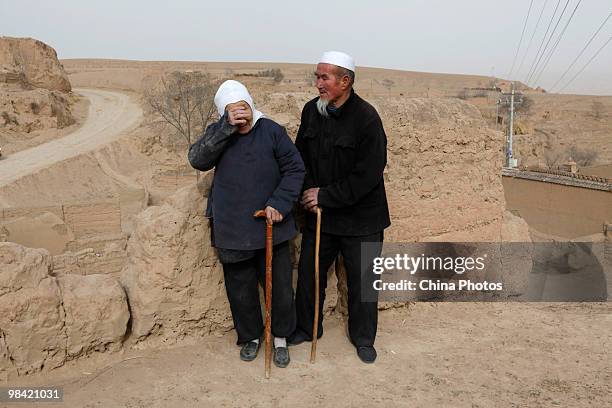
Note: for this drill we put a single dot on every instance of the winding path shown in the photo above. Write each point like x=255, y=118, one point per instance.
x=111, y=115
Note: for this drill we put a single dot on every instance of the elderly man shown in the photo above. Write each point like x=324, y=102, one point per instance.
x=256, y=166
x=344, y=148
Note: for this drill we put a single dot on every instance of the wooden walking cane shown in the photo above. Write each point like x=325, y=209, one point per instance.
x=315, y=324
x=268, y=329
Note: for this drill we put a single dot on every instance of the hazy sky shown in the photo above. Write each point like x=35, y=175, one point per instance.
x=467, y=36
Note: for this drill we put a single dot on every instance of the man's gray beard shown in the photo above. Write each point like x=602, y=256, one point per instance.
x=322, y=107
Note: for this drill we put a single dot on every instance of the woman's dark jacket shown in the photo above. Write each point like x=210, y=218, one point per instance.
x=253, y=170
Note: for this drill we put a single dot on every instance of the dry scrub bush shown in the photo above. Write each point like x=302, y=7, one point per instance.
x=183, y=100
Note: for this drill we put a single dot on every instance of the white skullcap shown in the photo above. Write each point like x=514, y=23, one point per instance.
x=231, y=92
x=339, y=59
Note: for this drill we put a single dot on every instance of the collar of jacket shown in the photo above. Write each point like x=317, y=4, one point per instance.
x=336, y=112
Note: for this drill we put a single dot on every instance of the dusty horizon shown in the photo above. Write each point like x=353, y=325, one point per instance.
x=307, y=64
x=470, y=38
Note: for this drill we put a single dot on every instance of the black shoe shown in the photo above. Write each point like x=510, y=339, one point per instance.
x=281, y=357
x=249, y=350
x=367, y=354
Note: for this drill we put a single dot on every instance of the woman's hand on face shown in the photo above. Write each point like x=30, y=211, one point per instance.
x=237, y=116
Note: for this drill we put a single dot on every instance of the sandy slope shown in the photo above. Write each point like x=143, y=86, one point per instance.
x=111, y=114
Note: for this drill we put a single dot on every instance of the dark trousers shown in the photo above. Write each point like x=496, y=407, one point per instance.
x=241, y=284
x=363, y=316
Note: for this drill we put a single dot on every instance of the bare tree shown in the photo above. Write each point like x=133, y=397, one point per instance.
x=525, y=106
x=582, y=157
x=184, y=100
x=387, y=83
x=274, y=73
x=552, y=158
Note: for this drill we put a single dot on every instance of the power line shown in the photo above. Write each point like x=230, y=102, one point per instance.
x=544, y=50
x=581, y=52
x=532, y=35
x=535, y=68
x=552, y=51
x=521, y=40
x=543, y=39
x=587, y=64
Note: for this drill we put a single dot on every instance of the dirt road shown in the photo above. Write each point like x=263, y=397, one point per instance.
x=111, y=114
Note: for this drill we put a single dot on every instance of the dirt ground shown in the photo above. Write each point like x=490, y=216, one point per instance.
x=430, y=354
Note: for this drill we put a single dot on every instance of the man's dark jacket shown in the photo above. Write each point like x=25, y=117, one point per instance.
x=253, y=170
x=345, y=156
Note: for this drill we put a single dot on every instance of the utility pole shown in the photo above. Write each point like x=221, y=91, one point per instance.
x=510, y=160
x=497, y=114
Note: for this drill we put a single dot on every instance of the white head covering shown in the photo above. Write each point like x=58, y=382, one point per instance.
x=233, y=91
x=339, y=59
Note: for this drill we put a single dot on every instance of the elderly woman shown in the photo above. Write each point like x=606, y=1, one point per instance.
x=256, y=166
